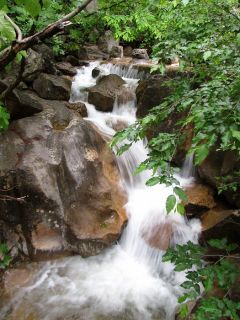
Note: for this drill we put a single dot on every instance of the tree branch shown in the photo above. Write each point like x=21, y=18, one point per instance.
x=10, y=198
x=7, y=55
x=16, y=27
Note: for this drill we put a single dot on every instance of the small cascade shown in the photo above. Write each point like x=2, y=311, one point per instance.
x=188, y=169
x=125, y=71
x=128, y=281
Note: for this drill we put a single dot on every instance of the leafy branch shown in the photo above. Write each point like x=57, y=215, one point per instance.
x=222, y=273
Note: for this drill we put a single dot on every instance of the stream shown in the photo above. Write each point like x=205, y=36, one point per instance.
x=127, y=281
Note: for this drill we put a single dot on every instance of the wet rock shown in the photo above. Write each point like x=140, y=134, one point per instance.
x=17, y=278
x=127, y=51
x=221, y=164
x=92, y=53
x=117, y=125
x=140, y=54
x=125, y=95
x=79, y=107
x=34, y=65
x=96, y=72
x=66, y=68
x=48, y=55
x=23, y=103
x=200, y=199
x=45, y=51
x=160, y=236
x=76, y=62
x=221, y=223
x=72, y=60
x=116, y=52
x=107, y=42
x=52, y=87
x=3, y=86
x=150, y=93
x=70, y=180
x=104, y=93
x=12, y=235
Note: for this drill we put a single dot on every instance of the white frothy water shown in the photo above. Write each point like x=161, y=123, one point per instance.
x=188, y=169
x=128, y=281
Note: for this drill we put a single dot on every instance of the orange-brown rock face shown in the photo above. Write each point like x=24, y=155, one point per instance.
x=221, y=223
x=200, y=198
x=160, y=236
x=73, y=200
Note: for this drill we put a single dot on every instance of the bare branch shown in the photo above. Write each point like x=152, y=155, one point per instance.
x=16, y=27
x=10, y=198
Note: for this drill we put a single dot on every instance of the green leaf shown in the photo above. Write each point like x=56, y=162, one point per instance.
x=187, y=284
x=232, y=247
x=207, y=55
x=4, y=120
x=201, y=152
x=181, y=194
x=180, y=209
x=183, y=298
x=218, y=243
x=46, y=3
x=32, y=6
x=170, y=203
x=236, y=134
x=181, y=267
x=3, y=3
x=208, y=284
x=152, y=181
x=183, y=311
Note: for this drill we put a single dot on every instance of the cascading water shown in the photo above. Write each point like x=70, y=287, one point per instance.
x=128, y=281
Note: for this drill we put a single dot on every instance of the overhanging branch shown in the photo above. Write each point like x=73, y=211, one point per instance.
x=16, y=27
x=7, y=55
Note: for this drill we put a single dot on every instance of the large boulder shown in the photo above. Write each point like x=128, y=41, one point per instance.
x=52, y=87
x=47, y=55
x=34, y=65
x=44, y=50
x=75, y=61
x=92, y=52
x=78, y=107
x=23, y=103
x=221, y=223
x=116, y=52
x=219, y=165
x=140, y=54
x=200, y=199
x=127, y=51
x=64, y=184
x=104, y=93
x=106, y=42
x=150, y=93
x=66, y=68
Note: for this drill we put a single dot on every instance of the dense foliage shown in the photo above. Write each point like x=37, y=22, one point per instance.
x=218, y=276
x=205, y=35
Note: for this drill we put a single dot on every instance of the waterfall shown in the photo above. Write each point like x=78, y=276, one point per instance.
x=188, y=169
x=128, y=281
